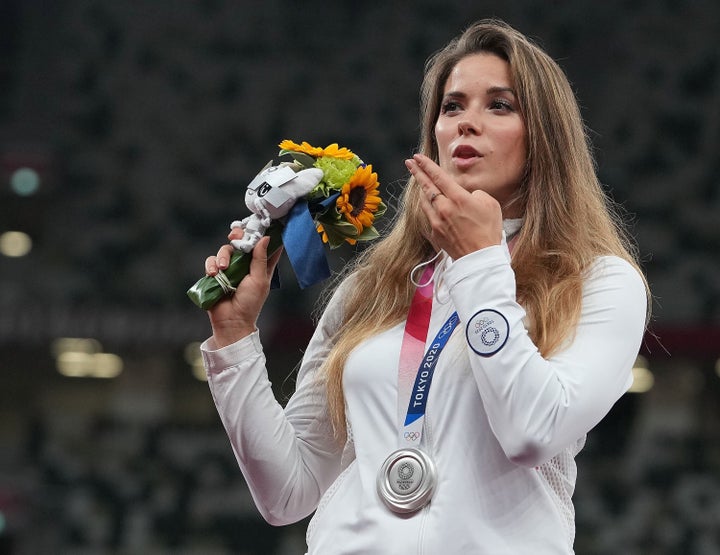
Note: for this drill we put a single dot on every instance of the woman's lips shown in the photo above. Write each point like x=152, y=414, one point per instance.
x=465, y=151
x=465, y=156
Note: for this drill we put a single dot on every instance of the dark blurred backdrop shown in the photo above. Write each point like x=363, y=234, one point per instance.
x=128, y=131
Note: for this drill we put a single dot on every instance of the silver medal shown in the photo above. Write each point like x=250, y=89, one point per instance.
x=406, y=480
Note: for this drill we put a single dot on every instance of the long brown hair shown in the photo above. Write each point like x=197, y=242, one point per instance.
x=568, y=220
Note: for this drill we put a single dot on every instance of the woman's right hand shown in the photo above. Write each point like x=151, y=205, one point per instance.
x=235, y=316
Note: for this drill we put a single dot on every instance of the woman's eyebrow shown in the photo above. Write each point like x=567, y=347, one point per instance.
x=490, y=91
x=495, y=90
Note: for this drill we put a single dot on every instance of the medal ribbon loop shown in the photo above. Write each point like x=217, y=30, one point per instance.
x=415, y=370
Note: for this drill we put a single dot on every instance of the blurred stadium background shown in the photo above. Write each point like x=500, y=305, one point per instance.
x=128, y=131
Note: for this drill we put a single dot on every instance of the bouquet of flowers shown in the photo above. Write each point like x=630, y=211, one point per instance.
x=339, y=208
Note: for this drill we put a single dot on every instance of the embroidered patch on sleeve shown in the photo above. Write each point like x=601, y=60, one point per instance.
x=487, y=332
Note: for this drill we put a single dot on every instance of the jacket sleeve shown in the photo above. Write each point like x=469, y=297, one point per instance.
x=538, y=406
x=289, y=456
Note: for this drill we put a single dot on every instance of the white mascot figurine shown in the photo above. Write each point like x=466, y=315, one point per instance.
x=270, y=196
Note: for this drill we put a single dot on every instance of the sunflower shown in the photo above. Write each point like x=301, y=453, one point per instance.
x=360, y=199
x=332, y=151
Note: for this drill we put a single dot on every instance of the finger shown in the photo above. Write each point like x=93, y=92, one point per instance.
x=236, y=233
x=435, y=180
x=429, y=209
x=211, y=266
x=259, y=262
x=421, y=178
x=430, y=193
x=223, y=256
x=430, y=174
x=435, y=196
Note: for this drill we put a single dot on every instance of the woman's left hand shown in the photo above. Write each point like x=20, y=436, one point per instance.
x=461, y=221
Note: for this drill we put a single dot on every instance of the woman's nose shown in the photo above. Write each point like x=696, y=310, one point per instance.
x=469, y=126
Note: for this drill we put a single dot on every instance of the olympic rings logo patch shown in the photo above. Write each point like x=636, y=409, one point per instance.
x=411, y=436
x=487, y=332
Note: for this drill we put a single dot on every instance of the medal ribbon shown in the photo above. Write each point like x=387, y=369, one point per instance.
x=415, y=371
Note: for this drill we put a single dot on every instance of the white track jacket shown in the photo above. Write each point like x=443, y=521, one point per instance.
x=502, y=425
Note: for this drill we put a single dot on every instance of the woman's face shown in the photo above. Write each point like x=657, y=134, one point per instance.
x=479, y=132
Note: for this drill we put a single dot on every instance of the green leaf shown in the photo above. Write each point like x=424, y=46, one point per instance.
x=335, y=239
x=381, y=209
x=345, y=227
x=301, y=158
x=368, y=234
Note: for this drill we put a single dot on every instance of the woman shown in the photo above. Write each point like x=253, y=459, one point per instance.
x=505, y=284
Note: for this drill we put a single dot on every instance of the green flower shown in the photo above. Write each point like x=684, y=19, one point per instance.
x=336, y=173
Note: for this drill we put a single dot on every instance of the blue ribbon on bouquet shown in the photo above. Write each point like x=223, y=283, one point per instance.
x=303, y=244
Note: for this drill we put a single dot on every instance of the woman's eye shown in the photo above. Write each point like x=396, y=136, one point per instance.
x=502, y=104
x=449, y=106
